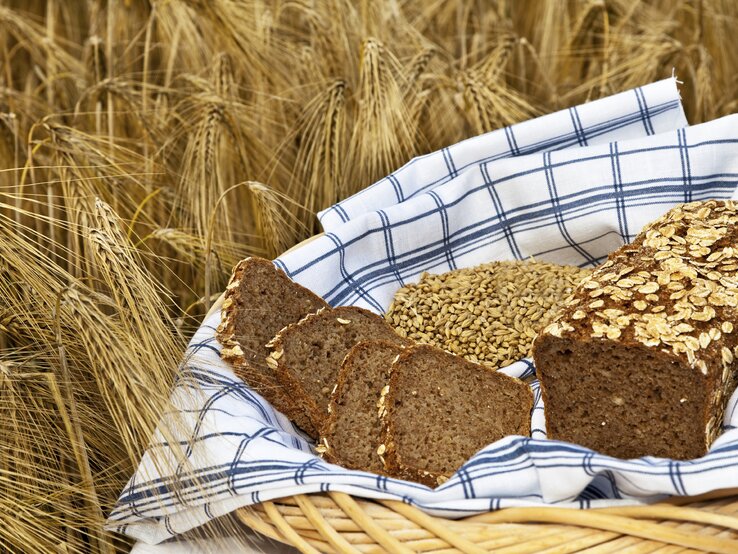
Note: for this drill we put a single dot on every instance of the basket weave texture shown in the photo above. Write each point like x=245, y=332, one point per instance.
x=337, y=522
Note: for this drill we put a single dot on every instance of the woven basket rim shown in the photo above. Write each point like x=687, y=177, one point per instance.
x=338, y=522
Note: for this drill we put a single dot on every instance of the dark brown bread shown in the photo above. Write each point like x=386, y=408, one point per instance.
x=261, y=300
x=307, y=355
x=353, y=430
x=641, y=361
x=440, y=409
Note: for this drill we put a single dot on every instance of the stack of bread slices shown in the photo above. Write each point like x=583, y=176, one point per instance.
x=371, y=399
x=640, y=361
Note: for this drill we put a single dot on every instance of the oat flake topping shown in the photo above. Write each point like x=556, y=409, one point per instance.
x=675, y=287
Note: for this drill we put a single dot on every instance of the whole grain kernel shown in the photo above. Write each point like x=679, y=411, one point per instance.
x=490, y=314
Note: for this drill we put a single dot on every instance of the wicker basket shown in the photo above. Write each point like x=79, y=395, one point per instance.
x=338, y=522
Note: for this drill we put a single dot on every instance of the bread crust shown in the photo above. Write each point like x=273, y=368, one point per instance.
x=256, y=377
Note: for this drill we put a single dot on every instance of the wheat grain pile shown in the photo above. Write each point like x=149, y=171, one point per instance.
x=489, y=314
x=146, y=146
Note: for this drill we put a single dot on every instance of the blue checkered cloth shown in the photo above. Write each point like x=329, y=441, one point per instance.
x=224, y=447
x=647, y=110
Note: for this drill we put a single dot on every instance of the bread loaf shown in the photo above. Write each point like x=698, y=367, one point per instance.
x=261, y=300
x=641, y=360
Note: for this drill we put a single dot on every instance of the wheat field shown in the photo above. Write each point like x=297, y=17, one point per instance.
x=147, y=145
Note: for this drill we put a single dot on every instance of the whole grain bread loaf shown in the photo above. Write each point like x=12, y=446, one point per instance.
x=353, y=430
x=440, y=409
x=307, y=356
x=641, y=361
x=261, y=300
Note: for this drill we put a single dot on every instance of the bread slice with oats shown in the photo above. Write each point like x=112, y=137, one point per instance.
x=353, y=430
x=260, y=301
x=307, y=356
x=440, y=409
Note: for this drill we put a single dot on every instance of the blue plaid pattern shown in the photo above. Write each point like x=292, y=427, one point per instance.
x=648, y=110
x=225, y=447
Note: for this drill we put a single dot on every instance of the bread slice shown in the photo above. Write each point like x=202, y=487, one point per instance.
x=307, y=356
x=353, y=430
x=261, y=300
x=440, y=409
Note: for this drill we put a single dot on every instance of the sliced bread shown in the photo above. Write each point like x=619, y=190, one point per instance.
x=261, y=300
x=440, y=409
x=307, y=356
x=353, y=430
